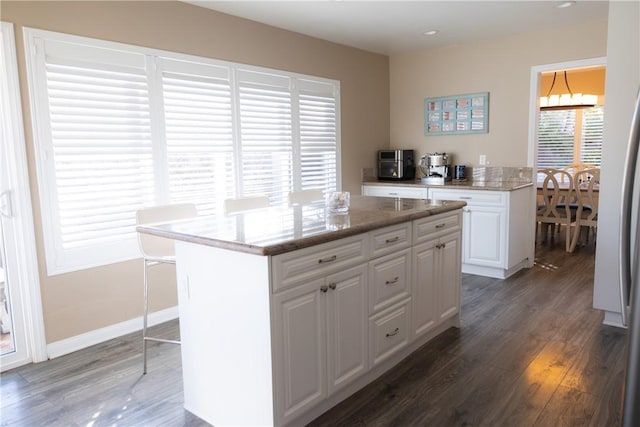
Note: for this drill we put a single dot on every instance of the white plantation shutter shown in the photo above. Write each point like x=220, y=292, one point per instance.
x=119, y=127
x=199, y=134
x=570, y=136
x=266, y=141
x=592, y=130
x=96, y=143
x=556, y=131
x=318, y=135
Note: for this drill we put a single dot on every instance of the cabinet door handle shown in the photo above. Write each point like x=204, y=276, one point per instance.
x=324, y=288
x=393, y=281
x=332, y=286
x=333, y=258
x=440, y=225
x=391, y=334
x=392, y=240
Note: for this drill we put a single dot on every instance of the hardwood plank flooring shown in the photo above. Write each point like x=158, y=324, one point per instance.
x=531, y=352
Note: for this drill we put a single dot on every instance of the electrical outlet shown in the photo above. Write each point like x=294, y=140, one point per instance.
x=483, y=159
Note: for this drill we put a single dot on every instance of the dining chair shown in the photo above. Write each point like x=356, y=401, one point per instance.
x=305, y=196
x=586, y=181
x=241, y=204
x=574, y=168
x=155, y=251
x=554, y=207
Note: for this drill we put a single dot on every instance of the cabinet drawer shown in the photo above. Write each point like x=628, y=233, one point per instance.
x=389, y=332
x=429, y=227
x=390, y=239
x=473, y=197
x=407, y=192
x=390, y=280
x=316, y=261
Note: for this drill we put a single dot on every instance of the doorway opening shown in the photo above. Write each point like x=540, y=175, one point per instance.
x=566, y=137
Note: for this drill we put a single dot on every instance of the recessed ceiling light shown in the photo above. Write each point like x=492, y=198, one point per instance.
x=565, y=4
x=430, y=33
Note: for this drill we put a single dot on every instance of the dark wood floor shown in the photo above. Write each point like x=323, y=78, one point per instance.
x=531, y=351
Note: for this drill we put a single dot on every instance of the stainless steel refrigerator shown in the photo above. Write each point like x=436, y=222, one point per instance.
x=630, y=273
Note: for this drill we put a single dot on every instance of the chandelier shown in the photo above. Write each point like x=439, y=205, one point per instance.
x=566, y=100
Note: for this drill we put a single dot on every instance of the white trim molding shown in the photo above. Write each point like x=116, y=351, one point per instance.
x=97, y=336
x=26, y=297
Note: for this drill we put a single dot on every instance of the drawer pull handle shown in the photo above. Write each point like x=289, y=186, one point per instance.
x=324, y=288
x=392, y=282
x=391, y=334
x=392, y=240
x=466, y=198
x=332, y=286
x=393, y=194
x=440, y=225
x=333, y=258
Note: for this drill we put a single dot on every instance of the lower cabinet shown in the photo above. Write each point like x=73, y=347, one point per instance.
x=436, y=282
x=332, y=326
x=321, y=330
x=497, y=235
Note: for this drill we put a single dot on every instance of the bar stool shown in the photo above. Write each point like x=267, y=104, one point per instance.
x=241, y=204
x=157, y=250
x=305, y=196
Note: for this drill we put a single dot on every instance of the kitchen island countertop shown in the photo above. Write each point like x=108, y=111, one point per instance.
x=281, y=229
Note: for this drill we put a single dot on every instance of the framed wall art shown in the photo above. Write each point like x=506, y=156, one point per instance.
x=455, y=115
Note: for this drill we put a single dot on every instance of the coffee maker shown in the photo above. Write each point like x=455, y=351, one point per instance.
x=436, y=168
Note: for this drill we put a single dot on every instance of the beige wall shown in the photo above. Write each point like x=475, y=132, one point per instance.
x=502, y=68
x=79, y=302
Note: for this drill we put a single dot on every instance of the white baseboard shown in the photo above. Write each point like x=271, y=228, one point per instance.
x=69, y=345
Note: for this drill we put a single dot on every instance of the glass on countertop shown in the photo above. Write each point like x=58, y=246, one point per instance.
x=337, y=202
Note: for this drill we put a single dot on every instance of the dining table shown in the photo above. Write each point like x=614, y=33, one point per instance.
x=566, y=190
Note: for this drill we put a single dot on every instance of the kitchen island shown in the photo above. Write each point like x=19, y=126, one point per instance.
x=286, y=311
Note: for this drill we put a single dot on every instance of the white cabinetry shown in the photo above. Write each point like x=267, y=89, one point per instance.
x=403, y=191
x=280, y=339
x=321, y=330
x=497, y=235
x=436, y=272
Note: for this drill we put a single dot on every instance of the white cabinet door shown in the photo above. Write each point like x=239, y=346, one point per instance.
x=449, y=276
x=424, y=287
x=346, y=326
x=300, y=350
x=484, y=234
x=436, y=284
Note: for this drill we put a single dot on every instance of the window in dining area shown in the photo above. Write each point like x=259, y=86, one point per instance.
x=570, y=136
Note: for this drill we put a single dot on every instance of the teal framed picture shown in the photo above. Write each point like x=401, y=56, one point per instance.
x=456, y=115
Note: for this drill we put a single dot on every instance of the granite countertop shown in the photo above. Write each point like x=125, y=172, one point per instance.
x=280, y=229
x=462, y=185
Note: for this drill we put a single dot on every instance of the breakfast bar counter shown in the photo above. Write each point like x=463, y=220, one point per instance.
x=275, y=230
x=286, y=311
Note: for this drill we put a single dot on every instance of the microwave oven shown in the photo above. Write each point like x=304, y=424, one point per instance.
x=396, y=165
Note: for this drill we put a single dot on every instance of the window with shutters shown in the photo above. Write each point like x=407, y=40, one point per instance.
x=570, y=136
x=119, y=127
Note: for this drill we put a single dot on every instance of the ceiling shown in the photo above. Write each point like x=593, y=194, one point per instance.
x=390, y=27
